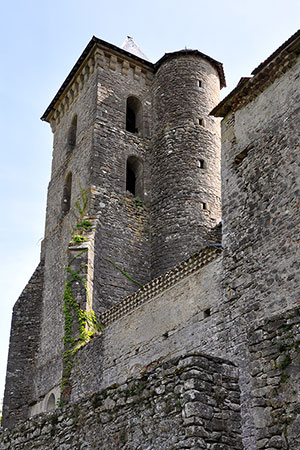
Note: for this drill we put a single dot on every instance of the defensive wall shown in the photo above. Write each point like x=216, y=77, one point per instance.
x=196, y=395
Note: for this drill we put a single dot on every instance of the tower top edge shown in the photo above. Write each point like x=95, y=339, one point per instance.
x=93, y=44
x=186, y=52
x=99, y=43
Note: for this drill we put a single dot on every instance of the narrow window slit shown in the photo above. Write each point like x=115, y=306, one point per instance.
x=206, y=313
x=130, y=180
x=134, y=115
x=66, y=200
x=135, y=177
x=72, y=134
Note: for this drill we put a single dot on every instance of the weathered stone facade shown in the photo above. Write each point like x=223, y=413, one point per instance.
x=24, y=342
x=260, y=203
x=152, y=185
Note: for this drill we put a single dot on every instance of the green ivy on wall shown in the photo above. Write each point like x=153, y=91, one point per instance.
x=86, y=321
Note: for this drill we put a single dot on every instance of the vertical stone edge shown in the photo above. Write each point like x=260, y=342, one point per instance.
x=23, y=347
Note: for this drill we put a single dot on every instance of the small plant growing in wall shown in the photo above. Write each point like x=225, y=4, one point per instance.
x=123, y=272
x=84, y=225
x=78, y=239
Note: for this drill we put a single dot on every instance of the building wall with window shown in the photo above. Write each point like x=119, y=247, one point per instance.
x=120, y=179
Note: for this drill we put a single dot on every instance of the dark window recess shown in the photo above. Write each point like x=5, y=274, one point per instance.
x=201, y=122
x=201, y=163
x=135, y=177
x=206, y=313
x=66, y=200
x=130, y=180
x=72, y=134
x=134, y=115
x=241, y=156
x=130, y=121
x=203, y=205
x=199, y=83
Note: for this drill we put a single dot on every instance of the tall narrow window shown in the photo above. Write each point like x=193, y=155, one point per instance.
x=72, y=134
x=134, y=177
x=130, y=179
x=66, y=200
x=134, y=115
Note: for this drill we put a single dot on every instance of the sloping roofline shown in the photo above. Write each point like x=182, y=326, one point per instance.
x=246, y=86
x=96, y=41
x=93, y=42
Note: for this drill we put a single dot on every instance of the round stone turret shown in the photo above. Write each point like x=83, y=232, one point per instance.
x=186, y=156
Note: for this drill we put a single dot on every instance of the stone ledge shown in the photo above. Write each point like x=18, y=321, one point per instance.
x=160, y=284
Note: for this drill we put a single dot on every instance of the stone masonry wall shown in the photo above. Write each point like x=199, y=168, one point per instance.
x=57, y=231
x=190, y=402
x=123, y=234
x=183, y=317
x=275, y=368
x=261, y=220
x=24, y=341
x=185, y=163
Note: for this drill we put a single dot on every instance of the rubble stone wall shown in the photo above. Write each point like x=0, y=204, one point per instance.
x=190, y=402
x=24, y=341
x=275, y=362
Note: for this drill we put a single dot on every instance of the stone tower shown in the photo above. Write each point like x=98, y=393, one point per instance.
x=185, y=156
x=135, y=148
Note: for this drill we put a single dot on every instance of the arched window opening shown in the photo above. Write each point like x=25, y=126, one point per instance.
x=201, y=164
x=51, y=403
x=66, y=200
x=72, y=134
x=134, y=121
x=134, y=177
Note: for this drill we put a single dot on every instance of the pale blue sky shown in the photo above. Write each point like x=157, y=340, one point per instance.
x=41, y=40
